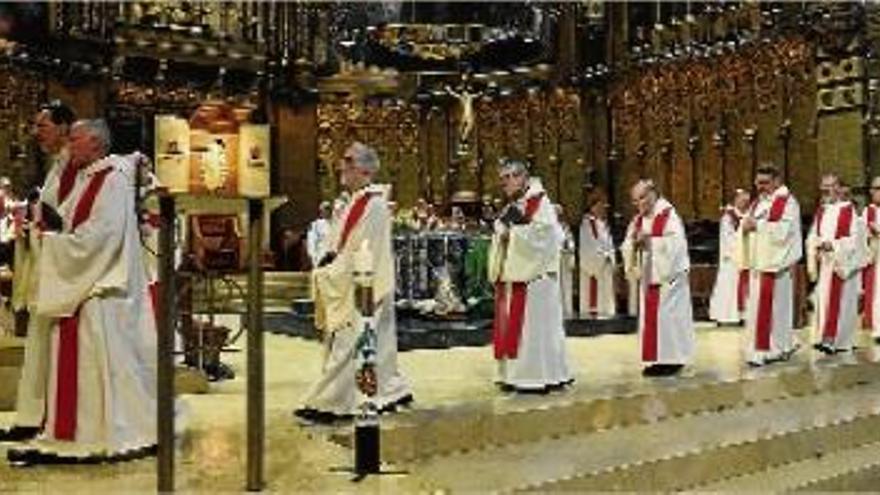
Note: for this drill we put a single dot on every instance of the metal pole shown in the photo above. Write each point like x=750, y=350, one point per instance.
x=165, y=347
x=255, y=372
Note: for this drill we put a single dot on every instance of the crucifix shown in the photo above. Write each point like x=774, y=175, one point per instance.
x=467, y=120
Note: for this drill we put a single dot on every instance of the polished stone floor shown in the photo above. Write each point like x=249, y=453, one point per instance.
x=211, y=451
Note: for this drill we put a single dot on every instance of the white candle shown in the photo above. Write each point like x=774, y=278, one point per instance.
x=363, y=259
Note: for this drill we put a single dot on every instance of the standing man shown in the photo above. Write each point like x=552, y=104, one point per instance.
x=528, y=332
x=870, y=281
x=101, y=397
x=365, y=221
x=732, y=281
x=51, y=129
x=656, y=248
x=770, y=245
x=835, y=255
x=319, y=231
x=566, y=266
x=597, y=263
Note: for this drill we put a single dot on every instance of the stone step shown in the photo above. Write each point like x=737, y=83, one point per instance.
x=11, y=359
x=844, y=470
x=865, y=478
x=675, y=454
x=420, y=434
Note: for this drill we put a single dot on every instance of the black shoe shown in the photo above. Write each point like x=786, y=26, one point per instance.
x=306, y=413
x=652, y=370
x=877, y=340
x=824, y=348
x=395, y=406
x=663, y=370
x=506, y=388
x=19, y=434
x=218, y=371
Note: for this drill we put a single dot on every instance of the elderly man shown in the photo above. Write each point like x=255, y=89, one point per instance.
x=836, y=247
x=528, y=333
x=871, y=218
x=101, y=397
x=770, y=245
x=51, y=128
x=365, y=224
x=598, y=264
x=731, y=282
x=656, y=249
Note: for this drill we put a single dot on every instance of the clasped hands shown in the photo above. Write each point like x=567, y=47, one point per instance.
x=749, y=224
x=513, y=216
x=641, y=240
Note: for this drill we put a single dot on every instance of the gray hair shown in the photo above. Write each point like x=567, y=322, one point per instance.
x=365, y=157
x=99, y=129
x=515, y=166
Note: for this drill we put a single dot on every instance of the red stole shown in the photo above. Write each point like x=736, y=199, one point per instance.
x=764, y=318
x=835, y=291
x=868, y=275
x=67, y=381
x=355, y=213
x=510, y=315
x=652, y=293
x=67, y=181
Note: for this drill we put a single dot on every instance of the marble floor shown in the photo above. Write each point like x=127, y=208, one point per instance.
x=211, y=451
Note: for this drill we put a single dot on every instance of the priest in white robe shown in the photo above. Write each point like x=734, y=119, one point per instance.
x=528, y=332
x=871, y=219
x=727, y=306
x=836, y=246
x=597, y=264
x=52, y=126
x=770, y=245
x=566, y=267
x=364, y=222
x=101, y=400
x=656, y=249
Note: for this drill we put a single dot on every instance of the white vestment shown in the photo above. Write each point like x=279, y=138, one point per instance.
x=596, y=250
x=335, y=391
x=727, y=304
x=666, y=326
x=566, y=274
x=769, y=253
x=31, y=395
x=102, y=367
x=530, y=355
x=838, y=271
x=317, y=240
x=870, y=217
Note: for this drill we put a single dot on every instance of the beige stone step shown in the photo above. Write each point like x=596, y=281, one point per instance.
x=475, y=425
x=836, y=471
x=675, y=454
x=11, y=359
x=861, y=479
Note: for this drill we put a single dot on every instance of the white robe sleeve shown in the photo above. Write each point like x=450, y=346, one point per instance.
x=589, y=250
x=727, y=241
x=777, y=244
x=533, y=248
x=848, y=253
x=669, y=256
x=75, y=266
x=631, y=267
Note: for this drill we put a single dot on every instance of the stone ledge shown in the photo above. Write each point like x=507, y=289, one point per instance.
x=477, y=425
